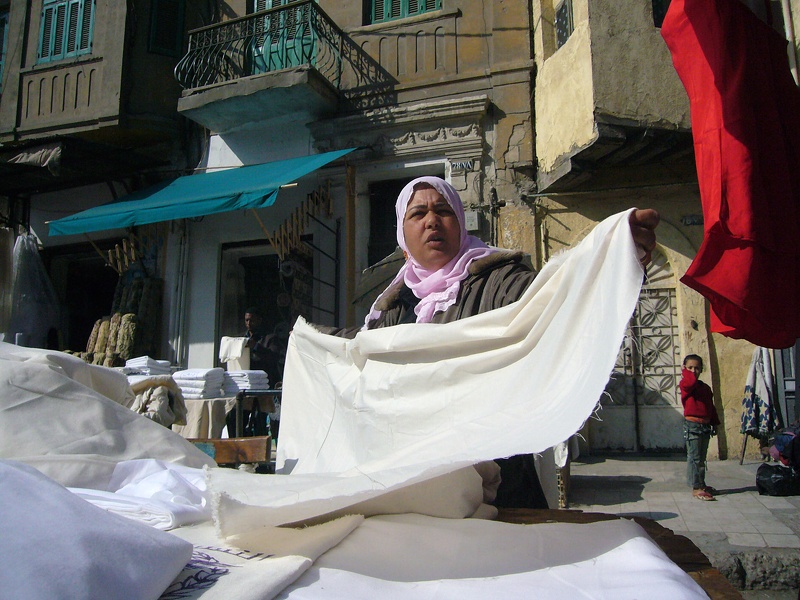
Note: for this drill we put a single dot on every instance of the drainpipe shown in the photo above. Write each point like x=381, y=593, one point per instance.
x=178, y=304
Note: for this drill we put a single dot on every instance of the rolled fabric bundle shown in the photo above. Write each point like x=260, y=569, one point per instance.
x=102, y=335
x=113, y=332
x=93, y=336
x=127, y=336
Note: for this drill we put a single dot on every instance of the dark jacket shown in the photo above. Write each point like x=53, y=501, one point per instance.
x=493, y=281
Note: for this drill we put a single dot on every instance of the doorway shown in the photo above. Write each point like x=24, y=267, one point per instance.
x=641, y=406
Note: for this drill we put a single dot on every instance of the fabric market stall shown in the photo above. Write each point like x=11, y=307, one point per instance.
x=382, y=514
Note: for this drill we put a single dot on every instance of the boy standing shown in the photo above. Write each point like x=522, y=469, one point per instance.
x=700, y=422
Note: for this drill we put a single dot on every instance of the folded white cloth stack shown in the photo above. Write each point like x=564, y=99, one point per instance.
x=236, y=381
x=200, y=383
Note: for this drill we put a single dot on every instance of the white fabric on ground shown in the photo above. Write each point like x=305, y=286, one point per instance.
x=412, y=556
x=155, y=493
x=55, y=545
x=404, y=404
x=70, y=432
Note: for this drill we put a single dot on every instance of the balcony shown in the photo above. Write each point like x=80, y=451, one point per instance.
x=276, y=63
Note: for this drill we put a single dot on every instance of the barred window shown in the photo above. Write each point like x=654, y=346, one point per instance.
x=389, y=10
x=66, y=29
x=564, y=24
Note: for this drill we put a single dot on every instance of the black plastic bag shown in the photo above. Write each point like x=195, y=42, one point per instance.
x=777, y=480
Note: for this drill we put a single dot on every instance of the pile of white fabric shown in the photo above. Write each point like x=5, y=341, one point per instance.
x=144, y=365
x=237, y=381
x=197, y=384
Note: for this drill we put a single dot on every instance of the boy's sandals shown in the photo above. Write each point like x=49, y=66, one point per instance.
x=710, y=490
x=703, y=495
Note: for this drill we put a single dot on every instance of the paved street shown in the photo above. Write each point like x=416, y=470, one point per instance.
x=754, y=540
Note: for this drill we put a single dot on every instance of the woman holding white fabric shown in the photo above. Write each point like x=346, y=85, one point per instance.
x=449, y=275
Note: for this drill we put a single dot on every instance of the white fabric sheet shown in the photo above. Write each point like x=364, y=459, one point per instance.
x=108, y=382
x=404, y=404
x=69, y=431
x=155, y=493
x=55, y=545
x=217, y=571
x=412, y=556
x=232, y=348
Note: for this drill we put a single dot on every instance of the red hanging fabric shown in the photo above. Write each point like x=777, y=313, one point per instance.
x=745, y=110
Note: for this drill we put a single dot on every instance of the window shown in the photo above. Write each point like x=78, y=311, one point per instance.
x=659, y=11
x=166, y=27
x=564, y=25
x=3, y=43
x=389, y=10
x=66, y=29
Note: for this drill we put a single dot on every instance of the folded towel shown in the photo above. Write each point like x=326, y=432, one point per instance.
x=214, y=374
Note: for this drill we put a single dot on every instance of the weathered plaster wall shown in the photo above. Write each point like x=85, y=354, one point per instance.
x=564, y=100
x=631, y=66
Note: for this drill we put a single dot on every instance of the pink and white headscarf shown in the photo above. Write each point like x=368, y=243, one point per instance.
x=437, y=290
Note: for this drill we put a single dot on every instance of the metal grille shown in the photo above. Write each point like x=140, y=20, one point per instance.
x=285, y=36
x=651, y=351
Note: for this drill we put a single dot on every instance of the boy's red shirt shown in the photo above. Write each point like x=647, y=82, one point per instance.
x=697, y=398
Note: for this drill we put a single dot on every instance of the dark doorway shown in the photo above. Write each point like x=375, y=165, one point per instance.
x=382, y=219
x=85, y=286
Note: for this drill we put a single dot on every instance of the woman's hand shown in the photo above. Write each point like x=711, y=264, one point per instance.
x=643, y=224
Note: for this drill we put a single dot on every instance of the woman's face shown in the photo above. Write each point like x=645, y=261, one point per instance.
x=431, y=229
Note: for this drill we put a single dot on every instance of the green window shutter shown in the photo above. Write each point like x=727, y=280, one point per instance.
x=46, y=35
x=87, y=26
x=389, y=10
x=58, y=31
x=66, y=29
x=166, y=27
x=73, y=16
x=378, y=11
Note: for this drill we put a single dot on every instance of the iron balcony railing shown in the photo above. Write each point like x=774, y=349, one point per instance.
x=292, y=35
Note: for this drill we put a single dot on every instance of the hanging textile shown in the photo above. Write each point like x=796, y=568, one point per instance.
x=745, y=110
x=759, y=417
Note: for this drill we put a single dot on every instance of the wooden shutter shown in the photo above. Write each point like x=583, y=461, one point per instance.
x=57, y=47
x=73, y=22
x=85, y=39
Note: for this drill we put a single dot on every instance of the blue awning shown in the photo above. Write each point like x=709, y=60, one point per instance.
x=254, y=186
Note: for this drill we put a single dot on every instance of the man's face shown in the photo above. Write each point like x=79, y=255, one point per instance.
x=251, y=321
